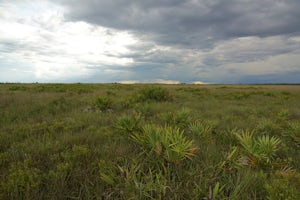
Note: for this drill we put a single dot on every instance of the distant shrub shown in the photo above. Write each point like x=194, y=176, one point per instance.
x=153, y=93
x=58, y=105
x=180, y=118
x=83, y=91
x=110, y=93
x=282, y=116
x=17, y=88
x=103, y=103
x=270, y=94
x=240, y=95
x=267, y=126
x=127, y=102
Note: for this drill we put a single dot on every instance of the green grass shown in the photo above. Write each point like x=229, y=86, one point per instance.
x=114, y=141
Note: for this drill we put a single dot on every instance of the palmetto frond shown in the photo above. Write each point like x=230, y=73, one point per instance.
x=267, y=146
x=260, y=150
x=246, y=140
x=201, y=128
x=128, y=124
x=168, y=142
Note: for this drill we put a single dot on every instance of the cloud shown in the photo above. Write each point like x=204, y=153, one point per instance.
x=129, y=82
x=280, y=64
x=275, y=67
x=199, y=83
x=60, y=50
x=160, y=81
x=246, y=49
x=188, y=22
x=178, y=40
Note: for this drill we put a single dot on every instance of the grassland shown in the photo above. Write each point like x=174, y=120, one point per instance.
x=113, y=141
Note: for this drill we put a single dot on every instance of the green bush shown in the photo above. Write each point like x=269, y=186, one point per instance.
x=153, y=93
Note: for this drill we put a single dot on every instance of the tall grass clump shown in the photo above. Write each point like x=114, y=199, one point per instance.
x=131, y=181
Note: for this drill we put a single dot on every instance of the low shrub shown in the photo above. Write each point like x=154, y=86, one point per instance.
x=153, y=93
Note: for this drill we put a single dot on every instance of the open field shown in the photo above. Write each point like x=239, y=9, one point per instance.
x=113, y=141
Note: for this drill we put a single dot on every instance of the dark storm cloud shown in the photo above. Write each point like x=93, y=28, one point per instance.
x=194, y=23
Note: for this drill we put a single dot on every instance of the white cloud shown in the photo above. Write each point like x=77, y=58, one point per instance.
x=199, y=83
x=162, y=81
x=129, y=82
x=59, y=50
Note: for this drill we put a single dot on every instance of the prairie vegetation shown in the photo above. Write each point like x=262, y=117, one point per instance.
x=113, y=141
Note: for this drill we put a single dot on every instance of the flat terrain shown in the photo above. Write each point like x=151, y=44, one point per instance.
x=114, y=141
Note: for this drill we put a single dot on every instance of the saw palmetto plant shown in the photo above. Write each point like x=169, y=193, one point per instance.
x=259, y=150
x=201, y=129
x=129, y=124
x=167, y=142
x=267, y=146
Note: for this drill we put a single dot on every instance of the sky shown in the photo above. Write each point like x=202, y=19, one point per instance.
x=157, y=41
